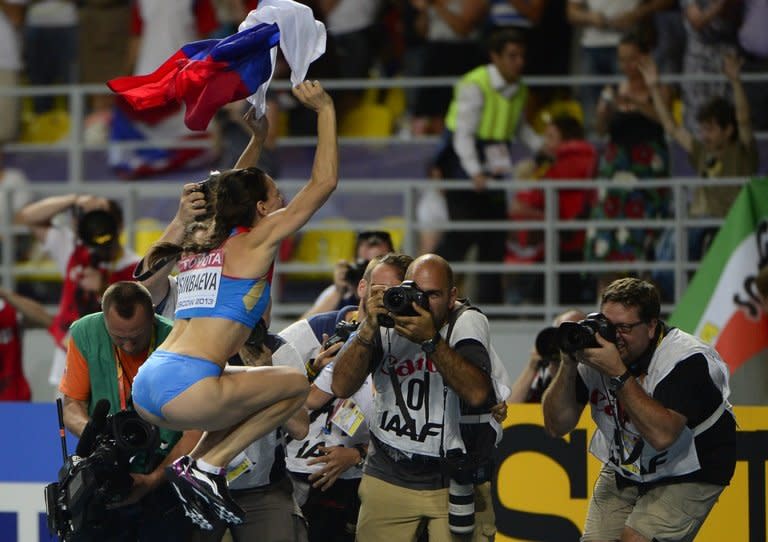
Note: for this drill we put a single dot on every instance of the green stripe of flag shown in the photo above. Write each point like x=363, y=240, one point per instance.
x=750, y=207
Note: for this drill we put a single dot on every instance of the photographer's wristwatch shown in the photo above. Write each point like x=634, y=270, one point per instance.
x=429, y=347
x=615, y=383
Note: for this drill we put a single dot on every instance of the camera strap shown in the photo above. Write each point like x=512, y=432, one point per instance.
x=148, y=273
x=122, y=377
x=407, y=418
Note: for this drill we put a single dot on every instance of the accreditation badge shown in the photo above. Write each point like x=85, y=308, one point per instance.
x=348, y=417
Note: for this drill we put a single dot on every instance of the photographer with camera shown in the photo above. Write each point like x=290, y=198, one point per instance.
x=326, y=466
x=87, y=253
x=543, y=362
x=666, y=433
x=417, y=446
x=347, y=275
x=105, y=351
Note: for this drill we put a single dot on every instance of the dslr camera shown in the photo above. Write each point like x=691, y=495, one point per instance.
x=575, y=336
x=548, y=345
x=341, y=333
x=355, y=272
x=98, y=231
x=99, y=473
x=398, y=300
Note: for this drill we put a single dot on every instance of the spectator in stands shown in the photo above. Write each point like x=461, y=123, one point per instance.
x=50, y=46
x=485, y=116
x=548, y=38
x=711, y=27
x=353, y=27
x=669, y=33
x=11, y=20
x=565, y=155
x=636, y=149
x=88, y=255
x=753, y=41
x=16, y=182
x=13, y=383
x=452, y=30
x=726, y=147
x=543, y=362
x=602, y=23
x=102, y=48
x=346, y=274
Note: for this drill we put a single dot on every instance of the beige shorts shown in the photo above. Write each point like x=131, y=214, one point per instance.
x=389, y=513
x=669, y=512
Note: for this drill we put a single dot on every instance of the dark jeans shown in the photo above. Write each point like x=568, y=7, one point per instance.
x=50, y=59
x=332, y=514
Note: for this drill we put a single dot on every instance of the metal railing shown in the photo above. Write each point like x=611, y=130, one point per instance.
x=408, y=190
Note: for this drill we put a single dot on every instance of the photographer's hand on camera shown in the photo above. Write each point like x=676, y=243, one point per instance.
x=143, y=484
x=417, y=329
x=605, y=359
x=325, y=355
x=192, y=205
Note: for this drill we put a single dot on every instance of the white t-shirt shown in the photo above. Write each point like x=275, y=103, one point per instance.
x=600, y=37
x=10, y=49
x=352, y=15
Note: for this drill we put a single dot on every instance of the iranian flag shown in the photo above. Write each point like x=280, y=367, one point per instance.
x=721, y=304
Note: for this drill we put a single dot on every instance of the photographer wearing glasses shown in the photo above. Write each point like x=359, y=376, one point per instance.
x=421, y=378
x=665, y=429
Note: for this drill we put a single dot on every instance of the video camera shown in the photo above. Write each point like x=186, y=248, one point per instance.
x=575, y=336
x=398, y=300
x=98, y=474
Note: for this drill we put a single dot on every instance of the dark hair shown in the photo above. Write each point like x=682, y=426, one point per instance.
x=499, y=39
x=374, y=237
x=632, y=292
x=569, y=127
x=125, y=296
x=720, y=111
x=636, y=39
x=233, y=197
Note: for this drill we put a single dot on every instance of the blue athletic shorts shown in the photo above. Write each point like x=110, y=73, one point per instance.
x=165, y=375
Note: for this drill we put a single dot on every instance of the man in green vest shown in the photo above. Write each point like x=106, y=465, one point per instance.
x=104, y=352
x=485, y=116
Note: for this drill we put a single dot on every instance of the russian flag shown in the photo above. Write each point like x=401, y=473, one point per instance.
x=205, y=75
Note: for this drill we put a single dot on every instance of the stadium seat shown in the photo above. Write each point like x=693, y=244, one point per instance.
x=324, y=247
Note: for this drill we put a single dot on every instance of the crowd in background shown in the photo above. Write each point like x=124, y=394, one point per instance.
x=607, y=132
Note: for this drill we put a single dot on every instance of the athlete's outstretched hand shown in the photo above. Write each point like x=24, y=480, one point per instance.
x=312, y=95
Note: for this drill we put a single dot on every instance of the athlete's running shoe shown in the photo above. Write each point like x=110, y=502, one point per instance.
x=198, y=512
x=211, y=489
